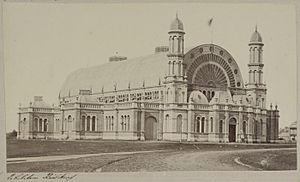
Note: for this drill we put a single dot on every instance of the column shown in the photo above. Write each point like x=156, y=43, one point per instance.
x=91, y=124
x=43, y=124
x=117, y=123
x=226, y=127
x=96, y=123
x=142, y=122
x=189, y=123
x=85, y=123
x=38, y=121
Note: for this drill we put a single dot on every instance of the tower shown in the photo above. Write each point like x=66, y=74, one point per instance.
x=176, y=87
x=256, y=89
x=176, y=50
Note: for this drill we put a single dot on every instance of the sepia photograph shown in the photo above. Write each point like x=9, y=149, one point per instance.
x=144, y=87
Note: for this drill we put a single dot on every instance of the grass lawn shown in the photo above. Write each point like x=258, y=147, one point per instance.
x=271, y=160
x=29, y=148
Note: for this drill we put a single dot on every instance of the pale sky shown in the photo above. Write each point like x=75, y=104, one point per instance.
x=45, y=42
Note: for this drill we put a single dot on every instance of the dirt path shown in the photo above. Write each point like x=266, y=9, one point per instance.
x=184, y=161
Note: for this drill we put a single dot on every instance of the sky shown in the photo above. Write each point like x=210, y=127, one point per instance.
x=45, y=42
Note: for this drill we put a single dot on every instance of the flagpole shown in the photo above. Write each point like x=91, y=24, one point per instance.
x=211, y=34
x=210, y=24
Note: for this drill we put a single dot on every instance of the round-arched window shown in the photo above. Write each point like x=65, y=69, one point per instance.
x=201, y=50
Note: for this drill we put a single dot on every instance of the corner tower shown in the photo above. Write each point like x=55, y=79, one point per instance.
x=175, y=80
x=255, y=86
x=176, y=50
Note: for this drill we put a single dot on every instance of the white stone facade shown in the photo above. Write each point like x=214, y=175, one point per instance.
x=171, y=95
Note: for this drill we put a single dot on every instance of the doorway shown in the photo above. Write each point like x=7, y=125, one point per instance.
x=150, y=129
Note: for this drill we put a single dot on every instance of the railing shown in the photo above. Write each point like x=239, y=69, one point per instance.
x=91, y=106
x=42, y=110
x=201, y=106
x=151, y=105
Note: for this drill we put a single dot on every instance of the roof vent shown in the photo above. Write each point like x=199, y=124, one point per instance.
x=38, y=98
x=85, y=92
x=117, y=58
x=160, y=49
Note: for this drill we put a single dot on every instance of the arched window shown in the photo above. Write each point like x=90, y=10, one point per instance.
x=88, y=120
x=94, y=123
x=128, y=123
x=106, y=123
x=109, y=123
x=122, y=123
x=261, y=127
x=36, y=124
x=112, y=123
x=41, y=124
x=221, y=126
x=255, y=129
x=211, y=124
x=179, y=68
x=83, y=123
x=45, y=125
x=173, y=68
x=125, y=123
x=166, y=123
x=244, y=127
x=197, y=125
x=202, y=124
x=179, y=43
x=179, y=123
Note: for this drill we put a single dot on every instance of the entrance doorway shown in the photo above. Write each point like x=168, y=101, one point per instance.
x=232, y=130
x=150, y=129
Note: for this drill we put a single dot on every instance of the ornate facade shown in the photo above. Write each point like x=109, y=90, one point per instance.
x=198, y=95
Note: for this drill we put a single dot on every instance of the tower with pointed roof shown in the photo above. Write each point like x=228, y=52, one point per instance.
x=256, y=86
x=175, y=80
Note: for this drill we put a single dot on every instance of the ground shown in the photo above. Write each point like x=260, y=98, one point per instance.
x=133, y=156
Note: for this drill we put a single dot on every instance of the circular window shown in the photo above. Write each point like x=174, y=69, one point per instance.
x=192, y=56
x=238, y=84
x=229, y=60
x=221, y=52
x=235, y=71
x=201, y=50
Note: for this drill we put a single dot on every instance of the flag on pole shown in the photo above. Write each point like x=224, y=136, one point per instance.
x=210, y=21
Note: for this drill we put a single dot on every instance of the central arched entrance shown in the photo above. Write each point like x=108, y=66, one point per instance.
x=232, y=130
x=150, y=129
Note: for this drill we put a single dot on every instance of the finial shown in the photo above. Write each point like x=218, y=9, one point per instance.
x=276, y=106
x=143, y=83
x=115, y=86
x=129, y=85
x=177, y=14
x=102, y=90
x=256, y=28
x=271, y=106
x=159, y=81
